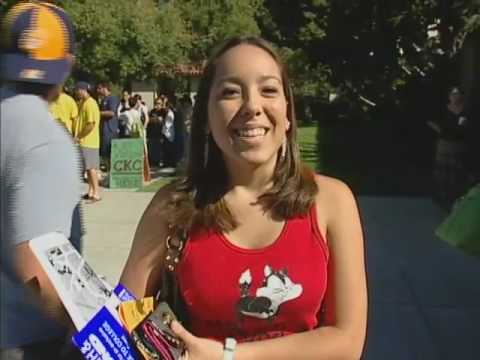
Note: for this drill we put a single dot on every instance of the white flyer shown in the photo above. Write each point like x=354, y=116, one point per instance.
x=82, y=292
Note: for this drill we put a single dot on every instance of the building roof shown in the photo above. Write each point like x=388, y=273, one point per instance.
x=186, y=70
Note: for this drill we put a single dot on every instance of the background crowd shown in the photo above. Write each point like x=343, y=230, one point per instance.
x=96, y=116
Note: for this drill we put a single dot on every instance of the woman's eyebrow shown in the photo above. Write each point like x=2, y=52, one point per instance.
x=230, y=78
x=237, y=80
x=270, y=77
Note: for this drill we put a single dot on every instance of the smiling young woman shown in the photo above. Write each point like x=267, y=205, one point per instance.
x=270, y=243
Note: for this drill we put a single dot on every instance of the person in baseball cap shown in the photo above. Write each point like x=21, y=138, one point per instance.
x=37, y=44
x=82, y=85
x=40, y=178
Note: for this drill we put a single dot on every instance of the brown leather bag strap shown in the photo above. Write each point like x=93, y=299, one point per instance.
x=170, y=291
x=175, y=242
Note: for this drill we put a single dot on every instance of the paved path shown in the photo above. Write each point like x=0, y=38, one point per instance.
x=110, y=226
x=424, y=295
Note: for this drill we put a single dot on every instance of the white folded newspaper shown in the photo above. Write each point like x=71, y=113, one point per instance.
x=82, y=292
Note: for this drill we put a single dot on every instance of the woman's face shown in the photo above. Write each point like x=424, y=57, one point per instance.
x=247, y=107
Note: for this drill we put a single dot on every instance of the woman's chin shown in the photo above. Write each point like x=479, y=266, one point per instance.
x=256, y=159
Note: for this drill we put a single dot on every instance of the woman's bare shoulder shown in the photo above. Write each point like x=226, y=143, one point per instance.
x=333, y=195
x=329, y=186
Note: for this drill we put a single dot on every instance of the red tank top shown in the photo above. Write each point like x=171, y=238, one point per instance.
x=255, y=294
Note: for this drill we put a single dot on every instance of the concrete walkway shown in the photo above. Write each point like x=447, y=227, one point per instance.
x=110, y=227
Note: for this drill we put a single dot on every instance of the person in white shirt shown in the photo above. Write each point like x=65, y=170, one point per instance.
x=131, y=122
x=168, y=132
x=143, y=109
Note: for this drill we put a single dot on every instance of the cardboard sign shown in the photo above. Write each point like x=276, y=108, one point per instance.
x=126, y=164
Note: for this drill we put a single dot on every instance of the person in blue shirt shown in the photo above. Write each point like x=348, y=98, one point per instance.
x=109, y=104
x=39, y=180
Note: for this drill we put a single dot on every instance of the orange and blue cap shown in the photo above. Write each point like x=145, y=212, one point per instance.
x=37, y=43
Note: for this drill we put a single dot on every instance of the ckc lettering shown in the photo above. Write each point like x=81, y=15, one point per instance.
x=128, y=165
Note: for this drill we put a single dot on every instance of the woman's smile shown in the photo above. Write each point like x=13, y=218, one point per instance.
x=250, y=133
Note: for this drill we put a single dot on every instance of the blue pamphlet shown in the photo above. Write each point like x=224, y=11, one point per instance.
x=104, y=337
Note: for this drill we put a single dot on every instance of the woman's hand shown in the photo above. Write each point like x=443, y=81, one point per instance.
x=197, y=348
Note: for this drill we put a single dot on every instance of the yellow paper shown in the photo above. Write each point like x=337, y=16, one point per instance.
x=132, y=313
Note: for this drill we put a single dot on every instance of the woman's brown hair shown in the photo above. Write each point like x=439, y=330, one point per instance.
x=197, y=199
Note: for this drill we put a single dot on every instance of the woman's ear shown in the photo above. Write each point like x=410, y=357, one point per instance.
x=287, y=124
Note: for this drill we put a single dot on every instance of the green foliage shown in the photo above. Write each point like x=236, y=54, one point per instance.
x=296, y=26
x=121, y=40
x=370, y=50
x=309, y=79
x=211, y=22
x=125, y=40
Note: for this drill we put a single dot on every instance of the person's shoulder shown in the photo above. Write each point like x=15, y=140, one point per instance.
x=330, y=186
x=157, y=215
x=22, y=123
x=69, y=98
x=92, y=104
x=113, y=99
x=19, y=101
x=68, y=101
x=92, y=101
x=333, y=195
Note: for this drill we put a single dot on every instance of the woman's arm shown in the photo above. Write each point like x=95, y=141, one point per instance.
x=343, y=336
x=142, y=271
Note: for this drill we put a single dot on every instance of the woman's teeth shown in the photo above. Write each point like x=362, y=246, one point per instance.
x=250, y=132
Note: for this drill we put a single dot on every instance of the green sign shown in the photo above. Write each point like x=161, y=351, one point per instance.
x=126, y=164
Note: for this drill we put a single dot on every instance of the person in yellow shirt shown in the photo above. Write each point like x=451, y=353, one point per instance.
x=65, y=110
x=88, y=137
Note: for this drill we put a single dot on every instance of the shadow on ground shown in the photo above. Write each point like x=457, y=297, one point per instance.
x=424, y=296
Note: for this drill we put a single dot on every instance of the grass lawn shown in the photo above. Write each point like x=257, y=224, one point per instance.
x=307, y=136
x=156, y=184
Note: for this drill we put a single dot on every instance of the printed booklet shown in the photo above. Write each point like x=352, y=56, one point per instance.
x=82, y=292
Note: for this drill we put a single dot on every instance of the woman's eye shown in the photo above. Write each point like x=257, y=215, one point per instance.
x=270, y=90
x=229, y=92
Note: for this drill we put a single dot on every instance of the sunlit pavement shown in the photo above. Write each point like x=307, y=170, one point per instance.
x=110, y=227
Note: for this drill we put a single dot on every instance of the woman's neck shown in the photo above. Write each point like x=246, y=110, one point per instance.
x=254, y=179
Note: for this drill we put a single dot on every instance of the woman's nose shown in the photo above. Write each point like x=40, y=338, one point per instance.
x=252, y=106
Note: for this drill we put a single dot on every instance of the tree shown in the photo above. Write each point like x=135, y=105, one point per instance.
x=373, y=49
x=211, y=22
x=122, y=40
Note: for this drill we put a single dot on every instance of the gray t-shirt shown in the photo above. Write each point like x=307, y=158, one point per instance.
x=40, y=193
